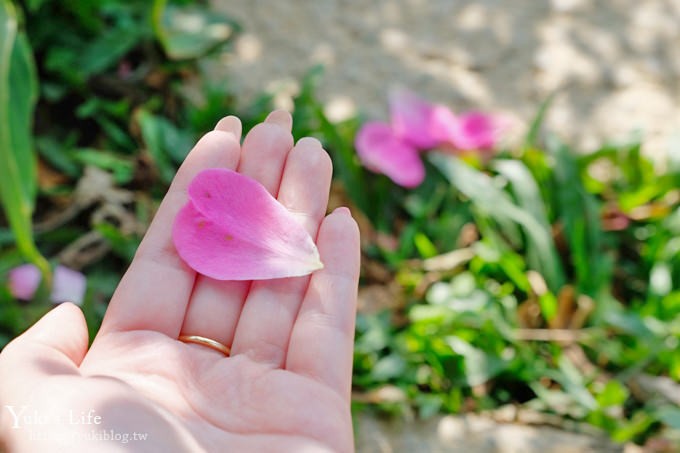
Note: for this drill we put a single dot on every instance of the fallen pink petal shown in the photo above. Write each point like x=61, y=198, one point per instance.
x=412, y=119
x=444, y=124
x=380, y=150
x=474, y=131
x=68, y=285
x=24, y=281
x=233, y=229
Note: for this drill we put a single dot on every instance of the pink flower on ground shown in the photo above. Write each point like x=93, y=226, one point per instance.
x=412, y=119
x=67, y=285
x=233, y=229
x=417, y=125
x=472, y=131
x=24, y=281
x=381, y=151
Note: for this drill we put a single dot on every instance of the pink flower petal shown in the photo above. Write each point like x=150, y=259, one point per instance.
x=475, y=131
x=444, y=124
x=67, y=284
x=24, y=281
x=381, y=151
x=233, y=229
x=412, y=119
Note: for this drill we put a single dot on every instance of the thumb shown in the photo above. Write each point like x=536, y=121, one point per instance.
x=56, y=344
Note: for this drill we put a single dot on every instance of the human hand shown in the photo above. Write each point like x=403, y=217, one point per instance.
x=286, y=385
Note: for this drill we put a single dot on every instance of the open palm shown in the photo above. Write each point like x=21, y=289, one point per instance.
x=286, y=385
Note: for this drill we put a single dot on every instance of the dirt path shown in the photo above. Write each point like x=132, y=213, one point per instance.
x=616, y=63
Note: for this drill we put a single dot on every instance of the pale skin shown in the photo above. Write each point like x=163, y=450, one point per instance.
x=286, y=385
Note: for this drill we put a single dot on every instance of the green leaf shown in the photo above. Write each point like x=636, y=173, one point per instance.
x=123, y=169
x=108, y=48
x=18, y=95
x=190, y=31
x=627, y=321
x=574, y=383
x=124, y=246
x=670, y=415
x=55, y=152
x=578, y=212
x=34, y=5
x=498, y=205
x=388, y=367
x=480, y=366
x=165, y=142
x=485, y=196
x=531, y=138
x=424, y=245
x=541, y=249
x=613, y=394
x=635, y=426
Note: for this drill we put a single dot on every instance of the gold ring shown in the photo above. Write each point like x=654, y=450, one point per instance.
x=203, y=341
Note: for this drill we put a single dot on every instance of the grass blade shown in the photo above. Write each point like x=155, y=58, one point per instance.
x=498, y=205
x=541, y=249
x=18, y=95
x=531, y=139
x=579, y=213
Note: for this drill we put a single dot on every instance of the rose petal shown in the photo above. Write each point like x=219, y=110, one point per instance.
x=381, y=151
x=412, y=119
x=233, y=229
x=67, y=284
x=23, y=281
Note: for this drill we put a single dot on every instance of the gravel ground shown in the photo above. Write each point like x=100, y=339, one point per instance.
x=614, y=63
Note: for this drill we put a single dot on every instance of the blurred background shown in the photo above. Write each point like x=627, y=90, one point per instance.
x=615, y=65
x=523, y=295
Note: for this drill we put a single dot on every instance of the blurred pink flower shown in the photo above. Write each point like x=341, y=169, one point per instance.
x=23, y=281
x=382, y=151
x=67, y=285
x=233, y=229
x=417, y=125
x=470, y=131
x=412, y=119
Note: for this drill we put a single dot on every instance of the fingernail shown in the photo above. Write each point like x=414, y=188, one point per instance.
x=229, y=124
x=342, y=210
x=281, y=118
x=309, y=141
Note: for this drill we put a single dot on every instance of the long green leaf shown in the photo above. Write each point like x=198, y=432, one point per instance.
x=498, y=205
x=531, y=139
x=541, y=251
x=480, y=188
x=578, y=211
x=18, y=95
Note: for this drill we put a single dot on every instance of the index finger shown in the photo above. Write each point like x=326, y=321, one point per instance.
x=155, y=290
